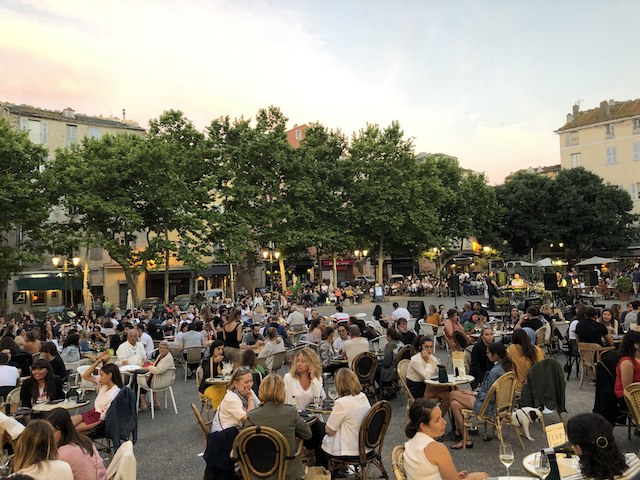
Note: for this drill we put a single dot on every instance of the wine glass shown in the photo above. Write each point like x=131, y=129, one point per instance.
x=2, y=403
x=332, y=392
x=4, y=459
x=66, y=386
x=541, y=465
x=506, y=456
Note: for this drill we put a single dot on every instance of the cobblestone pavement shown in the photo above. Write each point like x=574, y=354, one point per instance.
x=168, y=446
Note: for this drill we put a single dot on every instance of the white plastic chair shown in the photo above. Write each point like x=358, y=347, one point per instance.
x=159, y=383
x=84, y=384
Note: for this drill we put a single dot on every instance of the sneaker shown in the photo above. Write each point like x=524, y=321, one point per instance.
x=592, y=382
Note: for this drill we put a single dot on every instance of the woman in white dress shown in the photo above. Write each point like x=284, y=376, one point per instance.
x=303, y=383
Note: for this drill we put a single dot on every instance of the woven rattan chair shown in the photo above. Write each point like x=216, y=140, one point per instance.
x=159, y=383
x=402, y=368
x=13, y=399
x=262, y=452
x=461, y=339
x=632, y=397
x=206, y=406
x=405, y=353
x=397, y=459
x=365, y=366
x=204, y=426
x=372, y=431
x=589, y=356
x=540, y=333
x=502, y=391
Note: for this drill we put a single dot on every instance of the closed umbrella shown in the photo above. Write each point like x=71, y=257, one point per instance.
x=596, y=261
x=129, y=305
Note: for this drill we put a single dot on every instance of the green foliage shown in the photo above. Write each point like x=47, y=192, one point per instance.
x=624, y=285
x=22, y=200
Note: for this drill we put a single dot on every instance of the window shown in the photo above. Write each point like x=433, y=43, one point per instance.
x=94, y=132
x=72, y=135
x=636, y=151
x=38, y=130
x=612, y=155
x=575, y=160
x=636, y=125
x=609, y=132
x=38, y=298
x=635, y=191
x=572, y=139
x=298, y=135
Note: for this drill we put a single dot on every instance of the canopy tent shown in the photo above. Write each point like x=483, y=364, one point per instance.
x=596, y=261
x=545, y=262
x=519, y=263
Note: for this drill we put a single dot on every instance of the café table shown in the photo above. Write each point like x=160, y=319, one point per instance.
x=67, y=405
x=217, y=380
x=452, y=381
x=566, y=465
x=617, y=338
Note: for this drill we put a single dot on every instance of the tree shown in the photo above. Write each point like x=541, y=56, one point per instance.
x=22, y=200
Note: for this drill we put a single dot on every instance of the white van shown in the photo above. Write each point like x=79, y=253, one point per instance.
x=214, y=293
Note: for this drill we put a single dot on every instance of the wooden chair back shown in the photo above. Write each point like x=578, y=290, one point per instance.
x=405, y=353
x=204, y=426
x=632, y=398
x=262, y=452
x=397, y=459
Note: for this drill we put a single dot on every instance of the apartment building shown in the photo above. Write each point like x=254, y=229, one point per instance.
x=606, y=141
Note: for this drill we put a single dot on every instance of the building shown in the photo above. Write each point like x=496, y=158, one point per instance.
x=296, y=135
x=606, y=141
x=550, y=171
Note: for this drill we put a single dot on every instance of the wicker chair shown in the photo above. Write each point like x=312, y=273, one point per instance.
x=403, y=366
x=589, y=356
x=13, y=399
x=503, y=391
x=405, y=353
x=632, y=397
x=365, y=366
x=159, y=383
x=397, y=459
x=262, y=452
x=204, y=426
x=372, y=431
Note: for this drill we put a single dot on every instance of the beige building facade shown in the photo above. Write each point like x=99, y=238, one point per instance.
x=606, y=141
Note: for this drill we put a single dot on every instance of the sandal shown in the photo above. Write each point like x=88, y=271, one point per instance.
x=460, y=444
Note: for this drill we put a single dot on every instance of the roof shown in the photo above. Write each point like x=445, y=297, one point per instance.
x=68, y=115
x=615, y=111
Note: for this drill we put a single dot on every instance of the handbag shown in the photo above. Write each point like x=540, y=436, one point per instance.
x=317, y=473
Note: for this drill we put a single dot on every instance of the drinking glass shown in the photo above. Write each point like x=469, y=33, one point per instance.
x=332, y=392
x=66, y=386
x=506, y=456
x=4, y=459
x=2, y=403
x=541, y=465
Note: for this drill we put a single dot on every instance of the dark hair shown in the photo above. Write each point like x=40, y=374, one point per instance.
x=72, y=340
x=215, y=344
x=4, y=358
x=419, y=341
x=395, y=304
x=533, y=311
x=452, y=312
x=314, y=323
x=327, y=332
x=393, y=334
x=628, y=345
x=49, y=380
x=589, y=313
x=113, y=369
x=60, y=419
x=498, y=348
x=271, y=333
x=50, y=348
x=377, y=312
x=339, y=308
x=419, y=413
x=249, y=359
x=8, y=343
x=520, y=337
x=601, y=457
x=182, y=325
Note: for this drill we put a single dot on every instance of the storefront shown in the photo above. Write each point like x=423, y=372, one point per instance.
x=44, y=289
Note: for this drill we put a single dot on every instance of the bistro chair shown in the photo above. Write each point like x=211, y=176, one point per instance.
x=502, y=391
x=205, y=402
x=397, y=459
x=365, y=366
x=278, y=360
x=159, y=383
x=590, y=355
x=405, y=353
x=371, y=436
x=262, y=452
x=570, y=351
x=461, y=339
x=13, y=399
x=193, y=355
x=632, y=398
x=403, y=366
x=204, y=426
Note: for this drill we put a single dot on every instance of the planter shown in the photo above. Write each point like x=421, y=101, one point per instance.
x=623, y=297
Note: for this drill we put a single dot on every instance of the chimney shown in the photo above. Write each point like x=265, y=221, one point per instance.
x=69, y=113
x=604, y=109
x=569, y=118
x=124, y=114
x=576, y=110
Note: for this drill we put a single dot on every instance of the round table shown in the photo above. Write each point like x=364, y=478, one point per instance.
x=453, y=381
x=324, y=409
x=217, y=380
x=67, y=405
x=566, y=465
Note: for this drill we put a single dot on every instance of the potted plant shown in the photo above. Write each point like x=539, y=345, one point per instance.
x=624, y=288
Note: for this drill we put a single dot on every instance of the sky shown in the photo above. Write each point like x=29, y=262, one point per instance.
x=487, y=81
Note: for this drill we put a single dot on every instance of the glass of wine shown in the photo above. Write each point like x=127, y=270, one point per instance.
x=332, y=392
x=66, y=386
x=506, y=456
x=541, y=465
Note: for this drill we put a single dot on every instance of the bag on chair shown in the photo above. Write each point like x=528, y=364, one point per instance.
x=317, y=473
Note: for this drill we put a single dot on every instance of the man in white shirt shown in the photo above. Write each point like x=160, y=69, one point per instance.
x=340, y=316
x=295, y=317
x=131, y=352
x=400, y=312
x=146, y=340
x=343, y=336
x=355, y=345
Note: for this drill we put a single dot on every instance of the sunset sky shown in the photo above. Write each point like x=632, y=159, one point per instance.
x=487, y=81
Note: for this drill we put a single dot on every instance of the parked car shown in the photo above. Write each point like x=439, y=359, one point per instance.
x=150, y=303
x=214, y=293
x=396, y=277
x=364, y=280
x=184, y=300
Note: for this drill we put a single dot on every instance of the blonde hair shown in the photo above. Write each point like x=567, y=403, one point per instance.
x=312, y=360
x=272, y=389
x=35, y=444
x=347, y=383
x=237, y=373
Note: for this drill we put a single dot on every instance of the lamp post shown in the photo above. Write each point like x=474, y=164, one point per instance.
x=361, y=255
x=66, y=271
x=269, y=253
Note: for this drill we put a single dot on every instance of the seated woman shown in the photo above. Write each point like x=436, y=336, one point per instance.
x=239, y=400
x=628, y=368
x=162, y=363
x=424, y=457
x=387, y=370
x=350, y=408
x=325, y=350
x=212, y=367
x=606, y=318
x=50, y=352
x=275, y=414
x=592, y=440
x=42, y=386
x=274, y=344
x=423, y=366
x=473, y=400
x=315, y=331
x=524, y=355
x=303, y=383
x=76, y=449
x=71, y=349
x=452, y=324
x=248, y=360
x=433, y=316
x=37, y=456
x=110, y=383
x=17, y=357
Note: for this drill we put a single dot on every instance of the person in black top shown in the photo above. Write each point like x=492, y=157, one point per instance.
x=406, y=336
x=480, y=363
x=50, y=352
x=531, y=320
x=43, y=386
x=589, y=330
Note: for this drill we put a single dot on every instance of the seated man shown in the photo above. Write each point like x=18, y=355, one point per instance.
x=253, y=339
x=355, y=345
x=131, y=352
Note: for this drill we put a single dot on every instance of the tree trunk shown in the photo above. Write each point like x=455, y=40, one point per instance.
x=132, y=283
x=379, y=275
x=167, y=257
x=232, y=282
x=335, y=271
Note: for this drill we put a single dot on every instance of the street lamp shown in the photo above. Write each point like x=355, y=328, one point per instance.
x=66, y=272
x=361, y=255
x=270, y=253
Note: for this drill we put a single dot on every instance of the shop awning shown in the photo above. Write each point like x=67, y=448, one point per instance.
x=216, y=270
x=47, y=283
